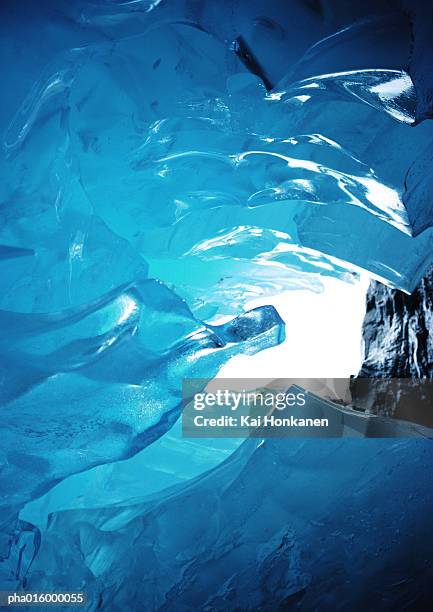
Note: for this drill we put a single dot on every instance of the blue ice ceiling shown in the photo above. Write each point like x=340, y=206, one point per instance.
x=163, y=163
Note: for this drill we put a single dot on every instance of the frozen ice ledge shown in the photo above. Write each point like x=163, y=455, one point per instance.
x=162, y=150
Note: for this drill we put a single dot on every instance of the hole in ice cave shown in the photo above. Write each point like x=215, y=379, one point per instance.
x=323, y=334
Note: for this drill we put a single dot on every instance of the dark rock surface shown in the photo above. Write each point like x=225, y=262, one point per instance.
x=398, y=353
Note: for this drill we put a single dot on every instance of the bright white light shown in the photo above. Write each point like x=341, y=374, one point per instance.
x=323, y=335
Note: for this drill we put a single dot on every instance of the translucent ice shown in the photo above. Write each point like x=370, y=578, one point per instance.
x=262, y=530
x=162, y=164
x=100, y=382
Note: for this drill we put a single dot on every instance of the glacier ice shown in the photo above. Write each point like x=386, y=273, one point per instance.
x=163, y=164
x=267, y=528
x=173, y=174
x=106, y=381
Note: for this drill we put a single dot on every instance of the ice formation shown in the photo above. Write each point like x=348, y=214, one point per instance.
x=266, y=528
x=162, y=164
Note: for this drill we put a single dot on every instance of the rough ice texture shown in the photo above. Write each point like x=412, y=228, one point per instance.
x=162, y=164
x=266, y=530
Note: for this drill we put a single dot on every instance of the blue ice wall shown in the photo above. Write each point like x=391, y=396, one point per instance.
x=162, y=163
x=325, y=525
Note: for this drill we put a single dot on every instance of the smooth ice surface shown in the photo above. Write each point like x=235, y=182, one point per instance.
x=98, y=383
x=162, y=165
x=160, y=145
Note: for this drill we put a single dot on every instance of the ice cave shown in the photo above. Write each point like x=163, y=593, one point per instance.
x=193, y=189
